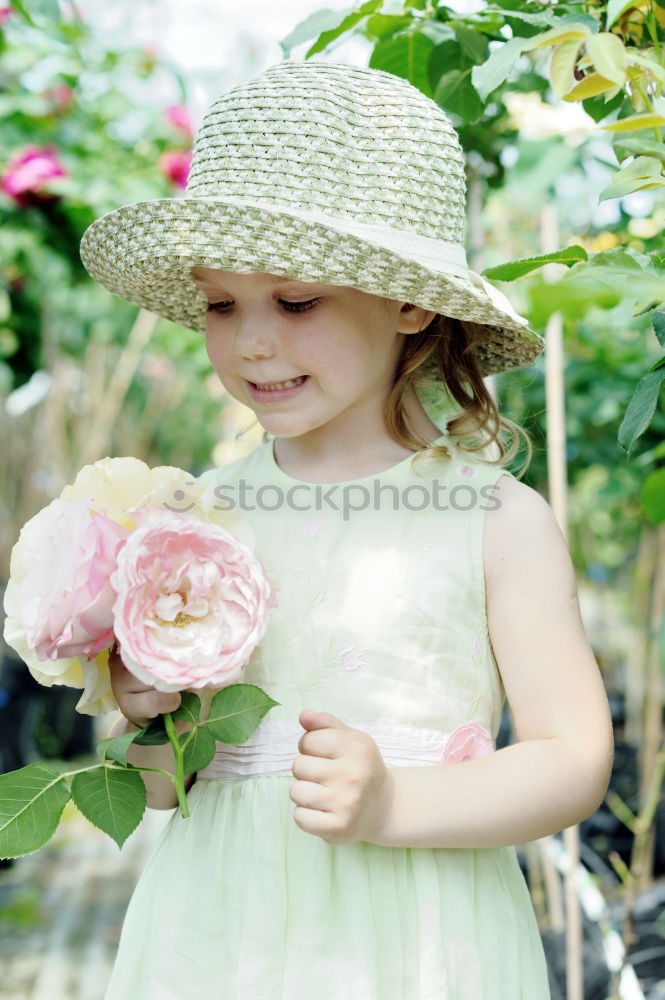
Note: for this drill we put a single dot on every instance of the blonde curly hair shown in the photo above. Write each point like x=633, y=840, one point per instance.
x=444, y=353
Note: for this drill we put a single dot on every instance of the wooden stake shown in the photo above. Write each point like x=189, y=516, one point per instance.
x=558, y=498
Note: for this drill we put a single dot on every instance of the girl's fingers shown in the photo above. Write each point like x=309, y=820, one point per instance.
x=137, y=701
x=141, y=707
x=145, y=705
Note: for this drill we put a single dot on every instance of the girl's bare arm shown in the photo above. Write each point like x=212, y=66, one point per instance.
x=557, y=772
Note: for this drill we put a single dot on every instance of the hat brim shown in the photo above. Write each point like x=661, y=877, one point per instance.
x=143, y=253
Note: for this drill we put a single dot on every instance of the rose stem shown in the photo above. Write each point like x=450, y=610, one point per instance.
x=179, y=764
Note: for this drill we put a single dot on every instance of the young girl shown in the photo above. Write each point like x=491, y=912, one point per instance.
x=361, y=843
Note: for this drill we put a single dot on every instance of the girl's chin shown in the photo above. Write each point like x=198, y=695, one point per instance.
x=283, y=429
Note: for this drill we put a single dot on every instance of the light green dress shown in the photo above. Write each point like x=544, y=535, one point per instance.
x=381, y=620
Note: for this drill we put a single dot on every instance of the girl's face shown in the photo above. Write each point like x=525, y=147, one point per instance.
x=302, y=356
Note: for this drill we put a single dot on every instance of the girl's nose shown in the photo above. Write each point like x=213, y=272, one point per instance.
x=253, y=341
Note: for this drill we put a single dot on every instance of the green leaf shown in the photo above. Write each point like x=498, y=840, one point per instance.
x=49, y=8
x=615, y=9
x=658, y=321
x=638, y=147
x=610, y=260
x=560, y=33
x=456, y=94
x=629, y=285
x=116, y=747
x=9, y=342
x=516, y=268
x=199, y=747
x=473, y=43
x=113, y=799
x=236, y=711
x=573, y=300
x=641, y=173
x=653, y=496
x=31, y=803
x=405, y=55
x=634, y=123
x=641, y=166
x=629, y=187
x=600, y=107
x=562, y=65
x=542, y=20
x=19, y=7
x=384, y=25
x=577, y=17
x=608, y=55
x=353, y=16
x=650, y=65
x=189, y=709
x=312, y=26
x=603, y=281
x=152, y=735
x=5, y=306
x=592, y=85
x=496, y=70
x=438, y=32
x=641, y=409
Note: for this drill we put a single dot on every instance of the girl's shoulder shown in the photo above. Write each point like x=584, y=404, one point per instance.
x=232, y=471
x=521, y=536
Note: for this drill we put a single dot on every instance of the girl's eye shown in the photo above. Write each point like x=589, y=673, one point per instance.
x=289, y=306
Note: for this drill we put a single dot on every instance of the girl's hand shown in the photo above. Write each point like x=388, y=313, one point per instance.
x=137, y=702
x=344, y=792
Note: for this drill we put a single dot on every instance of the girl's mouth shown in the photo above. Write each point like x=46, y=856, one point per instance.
x=272, y=391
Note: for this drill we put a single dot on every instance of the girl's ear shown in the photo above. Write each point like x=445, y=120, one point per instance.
x=414, y=319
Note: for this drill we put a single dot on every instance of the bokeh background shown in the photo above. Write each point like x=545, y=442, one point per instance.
x=98, y=107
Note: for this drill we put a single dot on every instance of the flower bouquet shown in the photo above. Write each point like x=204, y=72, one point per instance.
x=142, y=557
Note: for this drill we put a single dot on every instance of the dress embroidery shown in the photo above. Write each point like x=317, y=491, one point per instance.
x=466, y=470
x=352, y=658
x=311, y=526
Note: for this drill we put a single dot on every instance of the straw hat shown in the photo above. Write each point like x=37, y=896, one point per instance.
x=321, y=172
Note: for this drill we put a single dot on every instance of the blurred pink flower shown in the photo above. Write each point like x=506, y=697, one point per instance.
x=61, y=96
x=178, y=115
x=28, y=173
x=5, y=14
x=148, y=59
x=466, y=742
x=71, y=12
x=176, y=166
x=192, y=604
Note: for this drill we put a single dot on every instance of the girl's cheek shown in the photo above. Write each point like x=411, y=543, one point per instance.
x=215, y=351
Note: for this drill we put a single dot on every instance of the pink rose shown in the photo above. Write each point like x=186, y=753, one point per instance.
x=466, y=742
x=178, y=115
x=28, y=173
x=65, y=598
x=5, y=14
x=176, y=166
x=62, y=96
x=192, y=603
